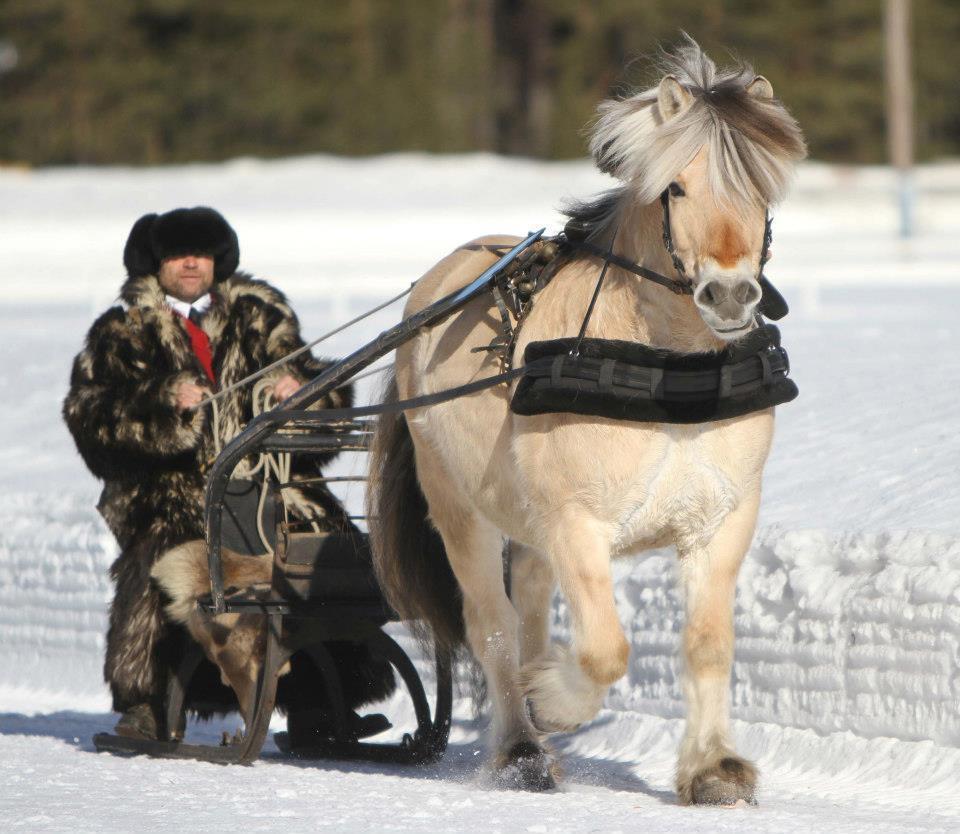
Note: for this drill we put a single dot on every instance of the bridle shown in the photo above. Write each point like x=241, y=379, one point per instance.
x=675, y=189
x=684, y=286
x=573, y=239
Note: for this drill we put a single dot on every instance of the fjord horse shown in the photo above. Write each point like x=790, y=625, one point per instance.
x=569, y=492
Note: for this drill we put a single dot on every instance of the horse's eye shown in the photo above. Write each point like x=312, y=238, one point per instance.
x=676, y=190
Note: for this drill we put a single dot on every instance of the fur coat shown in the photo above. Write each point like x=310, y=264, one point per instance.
x=152, y=458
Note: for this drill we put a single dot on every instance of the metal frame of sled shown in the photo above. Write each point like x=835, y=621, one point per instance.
x=335, y=621
x=303, y=622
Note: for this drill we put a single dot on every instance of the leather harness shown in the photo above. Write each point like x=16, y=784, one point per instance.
x=626, y=380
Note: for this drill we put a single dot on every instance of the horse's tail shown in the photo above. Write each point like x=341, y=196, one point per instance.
x=408, y=554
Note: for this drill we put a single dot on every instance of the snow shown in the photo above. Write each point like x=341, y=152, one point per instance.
x=846, y=683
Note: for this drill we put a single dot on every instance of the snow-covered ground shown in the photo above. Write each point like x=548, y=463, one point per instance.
x=846, y=684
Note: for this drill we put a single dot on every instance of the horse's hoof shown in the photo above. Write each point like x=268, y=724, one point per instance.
x=731, y=781
x=525, y=767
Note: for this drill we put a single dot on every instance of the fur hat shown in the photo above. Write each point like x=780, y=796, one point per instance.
x=183, y=231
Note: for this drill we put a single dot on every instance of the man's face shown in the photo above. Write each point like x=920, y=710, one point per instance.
x=188, y=277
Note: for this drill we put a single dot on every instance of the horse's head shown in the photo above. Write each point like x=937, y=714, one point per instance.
x=716, y=149
x=719, y=244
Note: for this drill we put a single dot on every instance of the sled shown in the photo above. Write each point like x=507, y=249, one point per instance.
x=319, y=590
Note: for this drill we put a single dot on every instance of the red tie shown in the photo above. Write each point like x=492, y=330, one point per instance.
x=200, y=343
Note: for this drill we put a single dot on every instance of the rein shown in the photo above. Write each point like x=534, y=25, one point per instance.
x=521, y=288
x=677, y=287
x=212, y=399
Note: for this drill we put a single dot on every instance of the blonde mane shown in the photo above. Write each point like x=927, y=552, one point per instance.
x=753, y=141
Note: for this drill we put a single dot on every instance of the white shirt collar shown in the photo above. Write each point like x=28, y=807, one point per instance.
x=201, y=305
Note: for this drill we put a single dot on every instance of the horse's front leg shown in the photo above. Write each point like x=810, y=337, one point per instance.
x=492, y=627
x=709, y=772
x=565, y=687
x=475, y=551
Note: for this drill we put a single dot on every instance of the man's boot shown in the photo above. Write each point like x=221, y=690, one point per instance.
x=137, y=722
x=312, y=728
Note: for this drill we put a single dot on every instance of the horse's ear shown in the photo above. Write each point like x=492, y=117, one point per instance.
x=672, y=97
x=760, y=88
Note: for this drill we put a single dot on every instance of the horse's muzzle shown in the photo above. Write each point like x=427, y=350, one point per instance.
x=727, y=304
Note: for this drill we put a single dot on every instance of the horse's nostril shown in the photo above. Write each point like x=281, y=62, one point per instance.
x=746, y=292
x=713, y=293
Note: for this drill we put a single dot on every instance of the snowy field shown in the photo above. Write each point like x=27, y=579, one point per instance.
x=846, y=685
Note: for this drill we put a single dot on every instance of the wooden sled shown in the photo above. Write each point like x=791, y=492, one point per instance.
x=321, y=591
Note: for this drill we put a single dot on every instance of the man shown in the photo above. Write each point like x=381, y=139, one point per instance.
x=190, y=324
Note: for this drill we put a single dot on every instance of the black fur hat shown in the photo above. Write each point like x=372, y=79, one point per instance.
x=183, y=231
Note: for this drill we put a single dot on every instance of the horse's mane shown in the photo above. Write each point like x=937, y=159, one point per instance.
x=597, y=214
x=753, y=141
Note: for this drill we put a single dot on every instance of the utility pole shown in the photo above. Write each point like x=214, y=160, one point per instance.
x=900, y=105
x=9, y=57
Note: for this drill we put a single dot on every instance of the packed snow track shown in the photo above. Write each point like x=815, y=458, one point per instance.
x=846, y=683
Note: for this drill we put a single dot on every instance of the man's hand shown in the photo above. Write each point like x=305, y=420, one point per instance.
x=285, y=386
x=189, y=395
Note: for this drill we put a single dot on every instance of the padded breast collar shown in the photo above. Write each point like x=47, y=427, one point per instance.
x=630, y=381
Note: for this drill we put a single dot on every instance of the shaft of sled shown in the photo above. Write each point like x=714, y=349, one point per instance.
x=264, y=425
x=400, y=333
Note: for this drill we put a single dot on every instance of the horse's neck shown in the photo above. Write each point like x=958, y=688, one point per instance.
x=651, y=313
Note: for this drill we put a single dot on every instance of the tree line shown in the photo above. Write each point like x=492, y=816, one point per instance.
x=159, y=81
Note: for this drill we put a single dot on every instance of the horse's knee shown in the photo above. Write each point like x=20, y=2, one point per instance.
x=528, y=567
x=609, y=665
x=531, y=583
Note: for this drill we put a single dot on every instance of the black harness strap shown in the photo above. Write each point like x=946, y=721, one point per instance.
x=323, y=417
x=668, y=233
x=678, y=287
x=575, y=350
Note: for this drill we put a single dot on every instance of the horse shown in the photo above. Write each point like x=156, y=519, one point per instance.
x=451, y=483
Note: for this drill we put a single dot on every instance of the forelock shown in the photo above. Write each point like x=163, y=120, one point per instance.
x=753, y=143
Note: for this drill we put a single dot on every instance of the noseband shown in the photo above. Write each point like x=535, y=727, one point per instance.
x=678, y=261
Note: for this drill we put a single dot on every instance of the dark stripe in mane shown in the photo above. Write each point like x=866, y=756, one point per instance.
x=594, y=215
x=753, y=142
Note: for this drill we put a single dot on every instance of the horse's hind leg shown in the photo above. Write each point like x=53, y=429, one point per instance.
x=566, y=687
x=709, y=772
x=531, y=587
